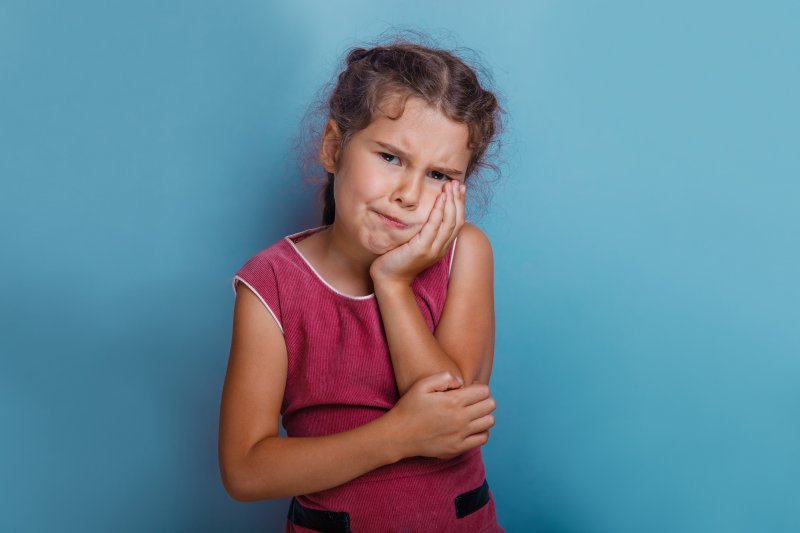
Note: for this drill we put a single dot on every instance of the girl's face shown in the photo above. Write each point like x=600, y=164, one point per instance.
x=394, y=168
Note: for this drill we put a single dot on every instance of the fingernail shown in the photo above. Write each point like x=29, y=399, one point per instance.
x=463, y=187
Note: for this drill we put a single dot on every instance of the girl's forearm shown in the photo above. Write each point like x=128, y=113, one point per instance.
x=279, y=467
x=414, y=350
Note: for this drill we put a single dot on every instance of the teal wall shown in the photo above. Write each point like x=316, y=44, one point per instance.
x=647, y=364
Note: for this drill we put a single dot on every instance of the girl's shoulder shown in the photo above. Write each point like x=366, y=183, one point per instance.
x=274, y=251
x=283, y=249
x=262, y=266
x=471, y=264
x=473, y=249
x=269, y=273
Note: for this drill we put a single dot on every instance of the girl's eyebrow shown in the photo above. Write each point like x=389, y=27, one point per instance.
x=404, y=155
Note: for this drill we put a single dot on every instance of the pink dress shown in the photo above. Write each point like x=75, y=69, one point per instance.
x=340, y=377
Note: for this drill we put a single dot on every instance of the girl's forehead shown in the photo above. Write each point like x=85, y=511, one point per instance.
x=421, y=127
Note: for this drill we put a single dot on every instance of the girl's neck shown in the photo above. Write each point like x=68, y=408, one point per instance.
x=342, y=254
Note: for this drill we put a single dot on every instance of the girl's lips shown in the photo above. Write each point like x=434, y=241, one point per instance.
x=391, y=222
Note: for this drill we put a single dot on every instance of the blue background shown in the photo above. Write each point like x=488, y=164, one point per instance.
x=645, y=236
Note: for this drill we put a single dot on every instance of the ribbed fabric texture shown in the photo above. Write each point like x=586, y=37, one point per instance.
x=340, y=377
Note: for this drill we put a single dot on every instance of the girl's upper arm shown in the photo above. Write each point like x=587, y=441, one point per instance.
x=466, y=328
x=255, y=379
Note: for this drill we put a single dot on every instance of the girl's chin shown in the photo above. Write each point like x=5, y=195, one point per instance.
x=380, y=243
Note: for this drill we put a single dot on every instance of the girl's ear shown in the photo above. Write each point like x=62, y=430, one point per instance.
x=329, y=148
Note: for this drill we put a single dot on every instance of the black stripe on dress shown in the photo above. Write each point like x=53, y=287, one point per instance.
x=472, y=500
x=325, y=521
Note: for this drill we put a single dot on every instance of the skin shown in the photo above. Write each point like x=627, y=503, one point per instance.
x=371, y=179
x=436, y=415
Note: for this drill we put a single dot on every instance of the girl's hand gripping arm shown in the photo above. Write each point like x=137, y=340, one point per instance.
x=438, y=417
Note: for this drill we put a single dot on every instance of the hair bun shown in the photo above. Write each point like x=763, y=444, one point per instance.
x=356, y=54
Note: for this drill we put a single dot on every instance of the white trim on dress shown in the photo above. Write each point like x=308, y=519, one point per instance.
x=451, y=258
x=238, y=278
x=288, y=239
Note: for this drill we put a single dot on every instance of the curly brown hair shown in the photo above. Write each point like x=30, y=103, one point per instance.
x=398, y=70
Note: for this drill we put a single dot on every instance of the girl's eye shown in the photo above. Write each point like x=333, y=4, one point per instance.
x=438, y=176
x=388, y=157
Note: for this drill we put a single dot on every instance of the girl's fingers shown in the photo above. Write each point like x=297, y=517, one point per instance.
x=448, y=220
x=473, y=394
x=481, y=408
x=484, y=423
x=460, y=210
x=453, y=218
x=478, y=439
x=430, y=229
x=460, y=201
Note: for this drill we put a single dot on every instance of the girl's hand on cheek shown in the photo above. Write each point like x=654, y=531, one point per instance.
x=402, y=264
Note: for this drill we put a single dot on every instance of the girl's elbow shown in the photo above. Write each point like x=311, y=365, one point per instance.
x=242, y=491
x=236, y=483
x=236, y=493
x=245, y=488
x=467, y=375
x=477, y=374
x=232, y=486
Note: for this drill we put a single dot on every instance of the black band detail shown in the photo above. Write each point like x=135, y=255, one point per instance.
x=325, y=521
x=472, y=500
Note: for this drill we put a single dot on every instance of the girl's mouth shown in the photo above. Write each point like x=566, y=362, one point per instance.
x=392, y=222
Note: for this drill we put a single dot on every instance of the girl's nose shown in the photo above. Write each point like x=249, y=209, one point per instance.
x=408, y=191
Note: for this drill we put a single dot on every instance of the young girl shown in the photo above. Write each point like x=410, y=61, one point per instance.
x=373, y=334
